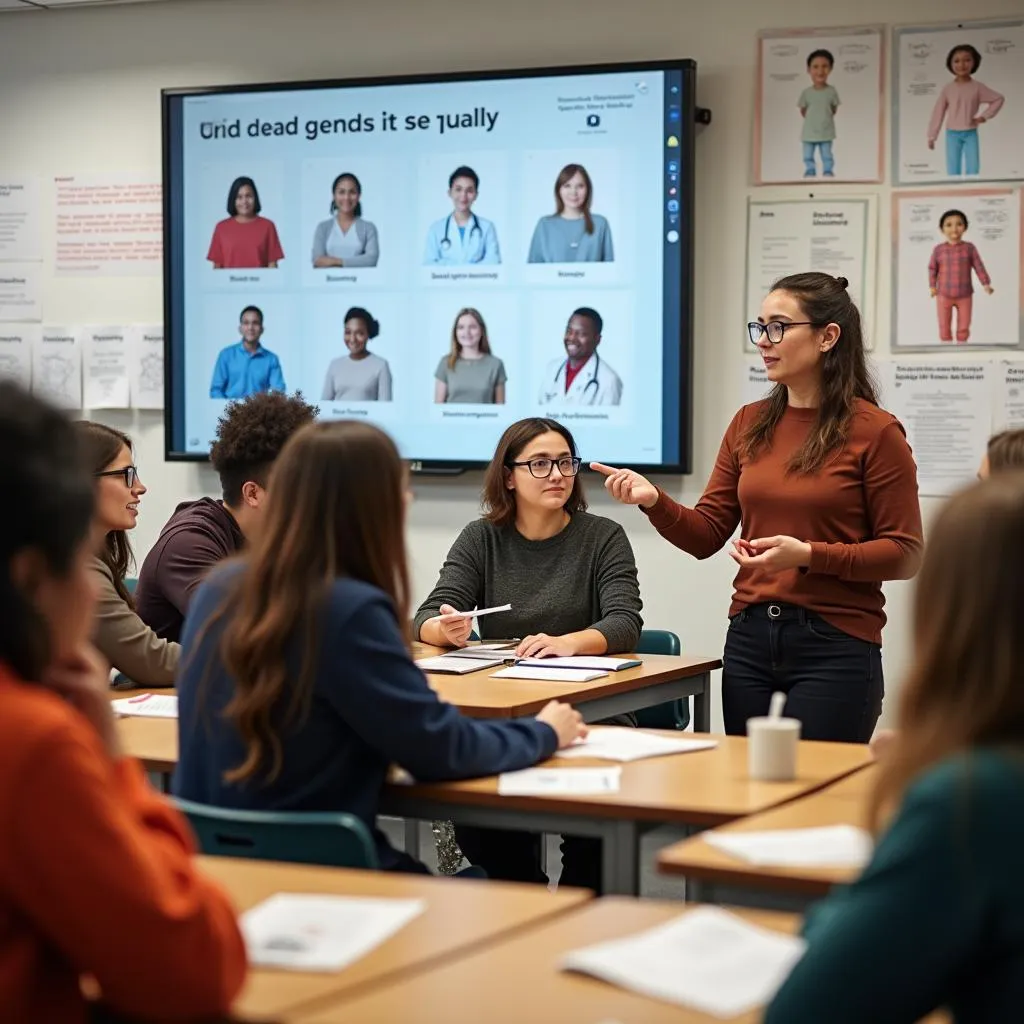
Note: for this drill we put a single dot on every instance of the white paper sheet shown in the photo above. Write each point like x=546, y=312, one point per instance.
x=560, y=781
x=946, y=410
x=595, y=663
x=147, y=705
x=21, y=289
x=615, y=744
x=307, y=932
x=20, y=220
x=706, y=959
x=17, y=343
x=834, y=236
x=146, y=366
x=828, y=846
x=105, y=383
x=448, y=665
x=550, y=675
x=57, y=366
x=756, y=384
x=1009, y=405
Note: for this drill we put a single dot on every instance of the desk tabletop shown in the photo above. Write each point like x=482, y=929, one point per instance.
x=518, y=979
x=460, y=916
x=845, y=803
x=153, y=741
x=705, y=787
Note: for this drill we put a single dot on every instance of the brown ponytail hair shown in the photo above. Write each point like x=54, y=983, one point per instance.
x=335, y=509
x=101, y=445
x=844, y=373
x=1006, y=451
x=964, y=689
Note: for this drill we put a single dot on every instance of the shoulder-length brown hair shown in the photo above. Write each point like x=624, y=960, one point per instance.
x=101, y=446
x=844, y=374
x=567, y=172
x=485, y=345
x=335, y=509
x=964, y=689
x=1006, y=451
x=499, y=503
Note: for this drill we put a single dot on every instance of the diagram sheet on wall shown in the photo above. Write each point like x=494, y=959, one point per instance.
x=57, y=366
x=957, y=269
x=1008, y=413
x=146, y=366
x=17, y=343
x=958, y=101
x=105, y=368
x=834, y=236
x=819, y=105
x=946, y=410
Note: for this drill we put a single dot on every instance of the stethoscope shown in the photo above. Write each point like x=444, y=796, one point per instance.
x=446, y=242
x=560, y=372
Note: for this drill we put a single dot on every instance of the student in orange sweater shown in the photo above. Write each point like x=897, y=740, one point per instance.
x=96, y=872
x=823, y=483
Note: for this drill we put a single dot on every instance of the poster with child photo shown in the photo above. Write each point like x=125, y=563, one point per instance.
x=819, y=106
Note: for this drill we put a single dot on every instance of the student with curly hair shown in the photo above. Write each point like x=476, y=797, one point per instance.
x=250, y=436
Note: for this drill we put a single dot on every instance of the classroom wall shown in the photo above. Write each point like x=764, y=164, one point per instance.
x=79, y=93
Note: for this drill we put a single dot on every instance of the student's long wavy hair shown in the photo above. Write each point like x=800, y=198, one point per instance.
x=335, y=508
x=964, y=689
x=456, y=349
x=844, y=374
x=568, y=172
x=101, y=446
x=1006, y=451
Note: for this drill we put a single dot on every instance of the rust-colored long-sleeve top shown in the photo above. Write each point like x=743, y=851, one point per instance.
x=859, y=512
x=97, y=880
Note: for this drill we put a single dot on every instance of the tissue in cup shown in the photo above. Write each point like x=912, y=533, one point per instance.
x=771, y=748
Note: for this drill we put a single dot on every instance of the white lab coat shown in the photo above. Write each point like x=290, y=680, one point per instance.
x=478, y=245
x=596, y=384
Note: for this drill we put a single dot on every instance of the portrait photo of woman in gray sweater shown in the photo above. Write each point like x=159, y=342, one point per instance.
x=345, y=239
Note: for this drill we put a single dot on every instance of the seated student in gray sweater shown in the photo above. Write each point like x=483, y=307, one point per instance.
x=297, y=690
x=571, y=580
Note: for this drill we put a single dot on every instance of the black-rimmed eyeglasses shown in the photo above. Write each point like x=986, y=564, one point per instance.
x=775, y=329
x=542, y=468
x=128, y=474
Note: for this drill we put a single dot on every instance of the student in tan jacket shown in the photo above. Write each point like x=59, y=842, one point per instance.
x=121, y=636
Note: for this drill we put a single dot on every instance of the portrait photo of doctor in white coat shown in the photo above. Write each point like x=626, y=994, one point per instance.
x=461, y=236
x=582, y=377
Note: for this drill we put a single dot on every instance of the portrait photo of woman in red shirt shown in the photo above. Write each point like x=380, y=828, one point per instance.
x=244, y=239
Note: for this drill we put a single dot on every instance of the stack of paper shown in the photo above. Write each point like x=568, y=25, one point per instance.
x=537, y=670
x=585, y=662
x=829, y=846
x=616, y=744
x=560, y=781
x=706, y=959
x=321, y=933
x=453, y=664
x=147, y=705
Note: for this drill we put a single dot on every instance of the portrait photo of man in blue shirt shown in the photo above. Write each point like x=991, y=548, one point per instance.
x=247, y=367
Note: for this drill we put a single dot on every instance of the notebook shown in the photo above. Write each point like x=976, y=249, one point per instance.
x=451, y=664
x=586, y=662
x=540, y=670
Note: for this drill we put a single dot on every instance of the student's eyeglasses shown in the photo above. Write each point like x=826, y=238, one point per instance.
x=776, y=329
x=542, y=468
x=129, y=474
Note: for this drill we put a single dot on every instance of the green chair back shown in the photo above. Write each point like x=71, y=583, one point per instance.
x=308, y=837
x=673, y=714
x=130, y=583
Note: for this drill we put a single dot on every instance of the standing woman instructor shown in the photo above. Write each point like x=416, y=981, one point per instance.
x=825, y=487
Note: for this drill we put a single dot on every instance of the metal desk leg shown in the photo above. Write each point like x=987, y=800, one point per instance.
x=412, y=837
x=620, y=861
x=702, y=706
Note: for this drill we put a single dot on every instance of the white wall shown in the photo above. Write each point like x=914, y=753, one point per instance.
x=79, y=92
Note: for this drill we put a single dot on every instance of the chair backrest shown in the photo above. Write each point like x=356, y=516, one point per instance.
x=130, y=583
x=336, y=840
x=658, y=641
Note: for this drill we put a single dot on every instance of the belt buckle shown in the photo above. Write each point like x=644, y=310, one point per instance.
x=774, y=611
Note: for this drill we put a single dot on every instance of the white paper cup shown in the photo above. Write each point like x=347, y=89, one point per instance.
x=771, y=748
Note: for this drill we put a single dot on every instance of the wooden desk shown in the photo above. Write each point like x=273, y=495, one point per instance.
x=518, y=979
x=845, y=803
x=153, y=741
x=705, y=788
x=461, y=916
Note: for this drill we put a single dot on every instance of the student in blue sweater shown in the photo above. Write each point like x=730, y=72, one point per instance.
x=297, y=690
x=937, y=918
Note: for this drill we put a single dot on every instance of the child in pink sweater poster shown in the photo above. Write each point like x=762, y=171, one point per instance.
x=963, y=104
x=949, y=277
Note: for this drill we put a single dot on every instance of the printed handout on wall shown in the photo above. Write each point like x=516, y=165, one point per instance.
x=958, y=101
x=146, y=366
x=819, y=110
x=21, y=286
x=834, y=236
x=57, y=366
x=957, y=269
x=1009, y=407
x=105, y=368
x=17, y=342
x=20, y=234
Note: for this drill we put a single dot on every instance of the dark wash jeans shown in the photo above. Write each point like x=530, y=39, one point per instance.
x=833, y=681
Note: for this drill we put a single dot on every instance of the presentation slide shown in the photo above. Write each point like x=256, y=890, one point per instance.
x=439, y=257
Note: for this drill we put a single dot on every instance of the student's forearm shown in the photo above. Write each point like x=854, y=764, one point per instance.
x=587, y=641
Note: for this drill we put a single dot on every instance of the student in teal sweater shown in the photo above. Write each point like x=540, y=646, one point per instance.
x=937, y=918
